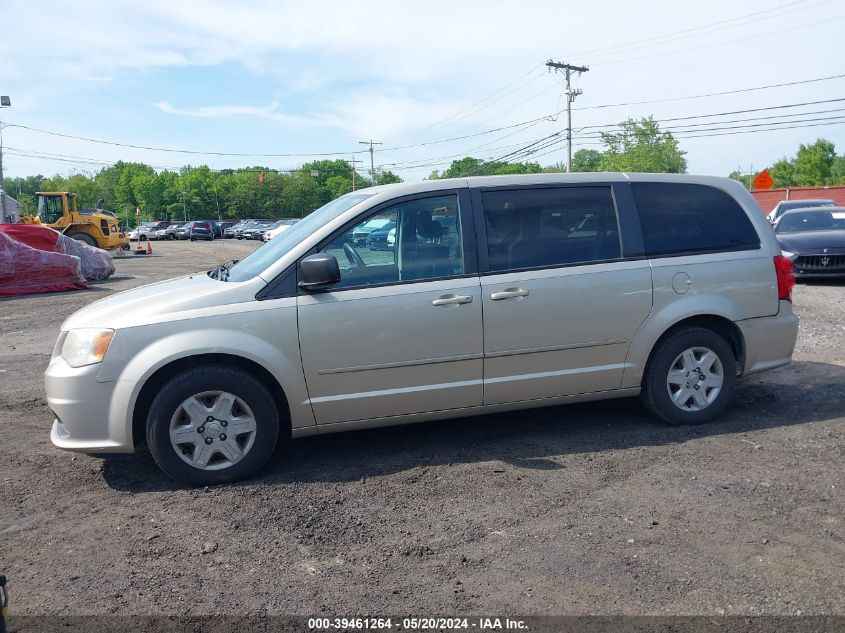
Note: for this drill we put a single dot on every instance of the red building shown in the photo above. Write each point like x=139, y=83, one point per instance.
x=769, y=198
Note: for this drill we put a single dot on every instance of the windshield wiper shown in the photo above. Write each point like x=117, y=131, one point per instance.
x=222, y=271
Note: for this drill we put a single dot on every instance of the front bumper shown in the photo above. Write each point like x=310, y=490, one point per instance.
x=769, y=341
x=91, y=416
x=821, y=265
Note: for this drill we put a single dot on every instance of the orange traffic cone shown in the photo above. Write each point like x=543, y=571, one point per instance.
x=138, y=248
x=149, y=247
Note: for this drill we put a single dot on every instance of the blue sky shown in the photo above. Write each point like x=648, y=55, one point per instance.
x=308, y=78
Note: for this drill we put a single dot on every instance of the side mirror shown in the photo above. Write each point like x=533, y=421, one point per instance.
x=318, y=271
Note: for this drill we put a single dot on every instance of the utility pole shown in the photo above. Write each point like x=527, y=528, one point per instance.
x=5, y=102
x=352, y=167
x=371, y=142
x=570, y=97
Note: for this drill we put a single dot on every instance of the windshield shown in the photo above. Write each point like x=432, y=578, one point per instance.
x=258, y=261
x=812, y=221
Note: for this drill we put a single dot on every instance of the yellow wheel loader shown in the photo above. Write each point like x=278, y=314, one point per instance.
x=59, y=210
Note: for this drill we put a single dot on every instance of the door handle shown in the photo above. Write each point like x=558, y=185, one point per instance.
x=452, y=300
x=510, y=293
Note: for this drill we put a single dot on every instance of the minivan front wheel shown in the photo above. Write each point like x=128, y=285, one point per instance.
x=212, y=424
x=690, y=377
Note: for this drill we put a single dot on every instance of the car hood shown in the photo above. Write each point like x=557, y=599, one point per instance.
x=813, y=241
x=159, y=301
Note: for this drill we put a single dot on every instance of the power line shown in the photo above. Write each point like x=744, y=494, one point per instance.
x=771, y=12
x=714, y=94
x=746, y=111
x=487, y=105
x=721, y=42
x=470, y=107
x=719, y=131
x=547, y=117
x=175, y=151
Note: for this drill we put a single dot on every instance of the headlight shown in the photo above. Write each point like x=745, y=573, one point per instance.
x=788, y=255
x=86, y=346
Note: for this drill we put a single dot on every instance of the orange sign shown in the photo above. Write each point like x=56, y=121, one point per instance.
x=763, y=180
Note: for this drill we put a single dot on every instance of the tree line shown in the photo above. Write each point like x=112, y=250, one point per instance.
x=813, y=165
x=250, y=192
x=201, y=193
x=194, y=193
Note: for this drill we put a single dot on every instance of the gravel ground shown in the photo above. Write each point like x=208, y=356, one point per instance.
x=591, y=508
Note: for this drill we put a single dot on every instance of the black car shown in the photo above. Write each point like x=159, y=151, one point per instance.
x=814, y=239
x=202, y=230
x=220, y=229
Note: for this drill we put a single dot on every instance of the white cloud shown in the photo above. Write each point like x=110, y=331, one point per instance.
x=213, y=112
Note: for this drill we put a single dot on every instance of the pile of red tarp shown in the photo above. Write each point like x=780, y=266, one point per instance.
x=96, y=263
x=26, y=270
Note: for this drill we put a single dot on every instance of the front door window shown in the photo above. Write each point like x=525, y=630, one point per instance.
x=411, y=241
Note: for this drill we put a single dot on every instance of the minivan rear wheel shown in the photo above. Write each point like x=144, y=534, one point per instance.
x=211, y=425
x=690, y=377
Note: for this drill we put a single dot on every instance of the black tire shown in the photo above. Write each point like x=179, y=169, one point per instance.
x=193, y=239
x=198, y=380
x=84, y=238
x=171, y=236
x=655, y=391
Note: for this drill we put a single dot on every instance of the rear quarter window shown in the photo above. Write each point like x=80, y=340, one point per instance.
x=679, y=218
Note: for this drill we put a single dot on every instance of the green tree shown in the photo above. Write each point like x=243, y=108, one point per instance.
x=837, y=171
x=23, y=189
x=640, y=146
x=388, y=178
x=469, y=166
x=745, y=179
x=338, y=185
x=813, y=163
x=783, y=173
x=585, y=160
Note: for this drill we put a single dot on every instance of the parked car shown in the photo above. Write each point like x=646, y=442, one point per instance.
x=277, y=228
x=244, y=226
x=788, y=205
x=184, y=231
x=142, y=232
x=679, y=289
x=229, y=233
x=168, y=233
x=220, y=230
x=377, y=240
x=255, y=232
x=202, y=230
x=814, y=240
x=360, y=233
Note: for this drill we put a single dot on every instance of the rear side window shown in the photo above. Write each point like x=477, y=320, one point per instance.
x=530, y=228
x=679, y=218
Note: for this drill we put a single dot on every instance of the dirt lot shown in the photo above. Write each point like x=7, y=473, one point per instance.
x=570, y=510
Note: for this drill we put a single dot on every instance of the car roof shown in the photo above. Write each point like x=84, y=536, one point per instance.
x=808, y=202
x=801, y=210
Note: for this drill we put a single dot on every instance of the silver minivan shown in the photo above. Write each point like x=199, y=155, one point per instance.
x=498, y=293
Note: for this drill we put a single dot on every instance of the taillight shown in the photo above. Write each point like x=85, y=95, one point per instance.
x=786, y=279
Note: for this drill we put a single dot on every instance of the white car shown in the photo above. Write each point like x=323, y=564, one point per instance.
x=142, y=232
x=278, y=229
